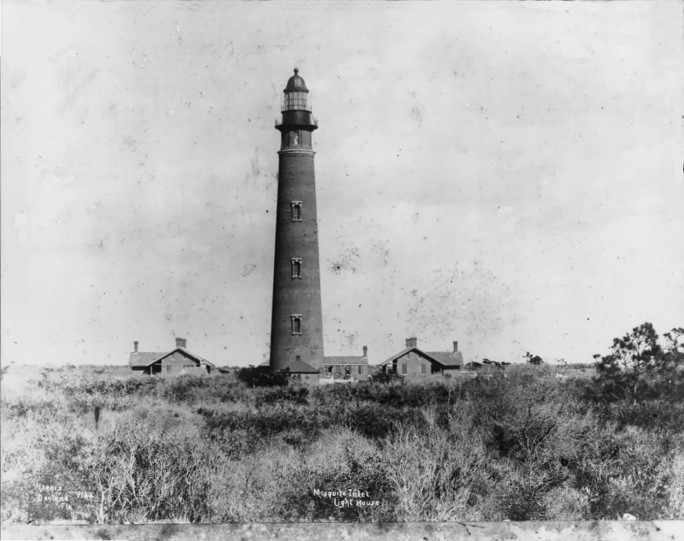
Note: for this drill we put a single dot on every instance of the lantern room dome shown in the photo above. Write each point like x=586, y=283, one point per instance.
x=296, y=83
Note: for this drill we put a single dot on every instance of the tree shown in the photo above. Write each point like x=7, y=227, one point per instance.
x=634, y=359
x=673, y=359
x=674, y=350
x=534, y=360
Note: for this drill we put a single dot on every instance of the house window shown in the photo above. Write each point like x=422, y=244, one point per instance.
x=296, y=324
x=360, y=369
x=296, y=267
x=423, y=369
x=404, y=368
x=296, y=210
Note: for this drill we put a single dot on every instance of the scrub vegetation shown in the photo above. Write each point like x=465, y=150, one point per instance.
x=531, y=442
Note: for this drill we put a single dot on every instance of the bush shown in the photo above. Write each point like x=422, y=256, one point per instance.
x=438, y=474
x=261, y=376
x=524, y=493
x=524, y=446
x=385, y=378
x=343, y=460
x=147, y=473
x=656, y=415
x=285, y=394
x=261, y=425
x=521, y=413
x=182, y=389
x=371, y=420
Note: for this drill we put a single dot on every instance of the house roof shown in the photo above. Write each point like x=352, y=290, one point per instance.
x=146, y=358
x=447, y=358
x=406, y=352
x=444, y=358
x=344, y=360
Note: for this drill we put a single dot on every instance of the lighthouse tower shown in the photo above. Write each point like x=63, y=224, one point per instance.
x=297, y=321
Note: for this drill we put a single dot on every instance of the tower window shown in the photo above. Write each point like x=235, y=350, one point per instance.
x=296, y=211
x=296, y=267
x=292, y=139
x=296, y=324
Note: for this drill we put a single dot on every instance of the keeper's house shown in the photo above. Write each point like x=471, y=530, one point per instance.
x=415, y=363
x=176, y=362
x=347, y=367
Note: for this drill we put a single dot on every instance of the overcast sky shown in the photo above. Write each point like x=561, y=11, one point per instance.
x=508, y=175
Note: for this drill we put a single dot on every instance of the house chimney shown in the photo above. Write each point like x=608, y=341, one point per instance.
x=412, y=342
x=455, y=346
x=181, y=342
x=365, y=351
x=135, y=346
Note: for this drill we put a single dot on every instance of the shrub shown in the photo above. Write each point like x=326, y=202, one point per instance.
x=279, y=484
x=437, y=474
x=656, y=415
x=623, y=471
x=371, y=420
x=261, y=376
x=341, y=460
x=385, y=377
x=525, y=446
x=146, y=472
x=397, y=395
x=285, y=394
x=524, y=493
x=262, y=425
x=182, y=389
x=520, y=413
x=673, y=471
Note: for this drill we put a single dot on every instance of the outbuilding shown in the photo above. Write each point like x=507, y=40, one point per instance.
x=302, y=372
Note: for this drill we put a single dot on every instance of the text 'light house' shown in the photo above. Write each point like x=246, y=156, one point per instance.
x=296, y=320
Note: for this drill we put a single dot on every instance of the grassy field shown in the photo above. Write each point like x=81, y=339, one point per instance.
x=103, y=446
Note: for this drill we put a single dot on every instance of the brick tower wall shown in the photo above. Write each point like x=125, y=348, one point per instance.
x=296, y=239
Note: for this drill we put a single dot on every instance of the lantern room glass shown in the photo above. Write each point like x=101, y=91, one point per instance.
x=296, y=101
